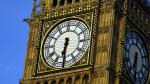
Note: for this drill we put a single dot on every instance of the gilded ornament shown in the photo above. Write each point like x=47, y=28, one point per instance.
x=102, y=30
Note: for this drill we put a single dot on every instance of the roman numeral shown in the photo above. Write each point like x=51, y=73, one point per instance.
x=142, y=73
x=77, y=25
x=55, y=61
x=145, y=67
x=82, y=31
x=80, y=49
x=56, y=58
x=52, y=37
x=60, y=31
x=83, y=40
x=73, y=58
x=130, y=68
x=139, y=75
x=48, y=46
x=68, y=26
x=50, y=55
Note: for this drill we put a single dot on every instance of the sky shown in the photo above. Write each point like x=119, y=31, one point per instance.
x=13, y=39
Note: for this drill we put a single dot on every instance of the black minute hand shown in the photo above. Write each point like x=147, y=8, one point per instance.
x=64, y=51
x=135, y=65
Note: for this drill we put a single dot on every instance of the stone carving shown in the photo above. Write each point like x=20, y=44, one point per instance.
x=102, y=30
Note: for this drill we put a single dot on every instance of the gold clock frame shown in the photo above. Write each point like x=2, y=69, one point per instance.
x=88, y=19
x=50, y=29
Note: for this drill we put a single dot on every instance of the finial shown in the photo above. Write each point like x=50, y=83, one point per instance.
x=34, y=7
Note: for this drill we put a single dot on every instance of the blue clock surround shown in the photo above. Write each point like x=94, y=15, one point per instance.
x=136, y=58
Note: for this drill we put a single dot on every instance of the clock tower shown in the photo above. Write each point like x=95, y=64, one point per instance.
x=88, y=42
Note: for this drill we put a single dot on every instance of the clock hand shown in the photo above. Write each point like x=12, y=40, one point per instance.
x=135, y=65
x=64, y=51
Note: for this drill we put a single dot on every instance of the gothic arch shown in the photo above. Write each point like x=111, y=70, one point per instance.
x=77, y=80
x=69, y=81
x=53, y=82
x=37, y=82
x=85, y=79
x=61, y=81
x=45, y=82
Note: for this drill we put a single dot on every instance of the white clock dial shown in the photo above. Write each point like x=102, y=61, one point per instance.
x=66, y=43
x=136, y=58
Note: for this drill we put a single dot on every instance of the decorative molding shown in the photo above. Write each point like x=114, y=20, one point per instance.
x=104, y=29
x=107, y=5
x=80, y=73
x=122, y=27
x=69, y=9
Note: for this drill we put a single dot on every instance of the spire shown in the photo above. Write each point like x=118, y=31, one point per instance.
x=36, y=6
x=34, y=9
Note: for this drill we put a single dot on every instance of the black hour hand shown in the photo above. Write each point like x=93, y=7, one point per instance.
x=64, y=51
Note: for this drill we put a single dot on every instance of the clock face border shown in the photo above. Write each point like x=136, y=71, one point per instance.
x=40, y=67
x=52, y=28
x=146, y=51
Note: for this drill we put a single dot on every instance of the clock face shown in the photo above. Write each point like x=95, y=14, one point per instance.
x=136, y=58
x=66, y=43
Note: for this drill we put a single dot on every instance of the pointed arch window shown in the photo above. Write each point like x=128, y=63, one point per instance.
x=61, y=81
x=69, y=1
x=77, y=80
x=46, y=82
x=69, y=81
x=53, y=82
x=85, y=79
